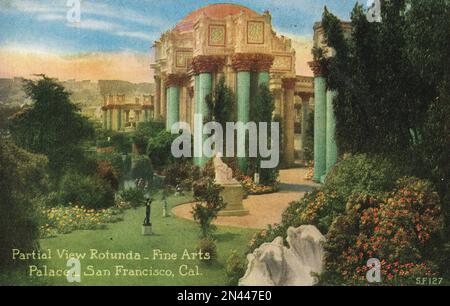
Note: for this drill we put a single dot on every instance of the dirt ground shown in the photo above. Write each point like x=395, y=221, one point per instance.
x=264, y=209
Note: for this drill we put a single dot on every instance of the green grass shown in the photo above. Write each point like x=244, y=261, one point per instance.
x=171, y=235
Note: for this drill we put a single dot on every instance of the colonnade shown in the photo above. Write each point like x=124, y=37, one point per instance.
x=206, y=68
x=325, y=149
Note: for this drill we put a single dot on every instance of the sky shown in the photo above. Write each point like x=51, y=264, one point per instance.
x=114, y=38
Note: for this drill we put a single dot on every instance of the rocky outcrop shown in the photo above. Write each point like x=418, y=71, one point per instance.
x=273, y=264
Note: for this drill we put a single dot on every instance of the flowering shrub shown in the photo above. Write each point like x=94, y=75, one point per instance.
x=235, y=268
x=209, y=203
x=179, y=173
x=64, y=220
x=318, y=208
x=397, y=228
x=253, y=189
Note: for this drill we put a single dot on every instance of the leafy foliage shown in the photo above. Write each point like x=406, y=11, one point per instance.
x=23, y=177
x=142, y=168
x=179, y=174
x=145, y=131
x=393, y=82
x=235, y=268
x=134, y=196
x=107, y=172
x=208, y=246
x=88, y=191
x=51, y=126
x=159, y=149
x=362, y=173
x=221, y=103
x=209, y=203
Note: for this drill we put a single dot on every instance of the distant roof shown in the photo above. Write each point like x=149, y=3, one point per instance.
x=214, y=11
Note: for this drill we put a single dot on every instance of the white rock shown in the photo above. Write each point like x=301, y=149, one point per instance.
x=273, y=264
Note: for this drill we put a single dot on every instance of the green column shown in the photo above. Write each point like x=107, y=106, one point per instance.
x=320, y=122
x=119, y=119
x=263, y=78
x=203, y=87
x=197, y=111
x=331, y=149
x=146, y=115
x=108, y=119
x=243, y=111
x=305, y=113
x=173, y=106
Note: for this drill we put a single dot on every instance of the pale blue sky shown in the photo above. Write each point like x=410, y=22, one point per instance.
x=132, y=25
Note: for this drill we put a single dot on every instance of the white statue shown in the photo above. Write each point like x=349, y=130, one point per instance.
x=272, y=264
x=224, y=174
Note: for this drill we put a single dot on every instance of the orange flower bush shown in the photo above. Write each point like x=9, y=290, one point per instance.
x=398, y=229
x=253, y=189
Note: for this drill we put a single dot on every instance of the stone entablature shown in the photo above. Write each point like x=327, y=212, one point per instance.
x=255, y=62
x=204, y=35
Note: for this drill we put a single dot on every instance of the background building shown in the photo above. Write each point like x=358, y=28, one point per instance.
x=126, y=104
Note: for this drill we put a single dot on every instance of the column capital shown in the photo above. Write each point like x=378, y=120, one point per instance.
x=289, y=83
x=176, y=80
x=207, y=63
x=258, y=62
x=305, y=96
x=318, y=68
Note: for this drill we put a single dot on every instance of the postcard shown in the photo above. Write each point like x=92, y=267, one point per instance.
x=242, y=144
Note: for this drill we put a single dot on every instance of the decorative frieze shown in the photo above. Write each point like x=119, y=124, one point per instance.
x=257, y=62
x=207, y=63
x=255, y=32
x=217, y=35
x=283, y=63
x=183, y=58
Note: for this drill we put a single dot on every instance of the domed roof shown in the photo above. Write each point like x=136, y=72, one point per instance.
x=215, y=11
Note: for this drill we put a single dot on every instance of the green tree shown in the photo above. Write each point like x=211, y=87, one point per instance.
x=263, y=112
x=393, y=81
x=221, y=103
x=23, y=178
x=51, y=126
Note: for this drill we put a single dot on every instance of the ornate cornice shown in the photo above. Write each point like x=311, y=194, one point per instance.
x=127, y=107
x=289, y=83
x=175, y=80
x=318, y=68
x=207, y=63
x=252, y=62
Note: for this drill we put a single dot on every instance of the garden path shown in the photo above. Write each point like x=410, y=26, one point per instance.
x=264, y=209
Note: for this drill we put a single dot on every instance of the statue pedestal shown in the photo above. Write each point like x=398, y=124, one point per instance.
x=232, y=195
x=147, y=230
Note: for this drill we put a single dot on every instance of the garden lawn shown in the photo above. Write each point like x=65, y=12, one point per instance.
x=171, y=235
